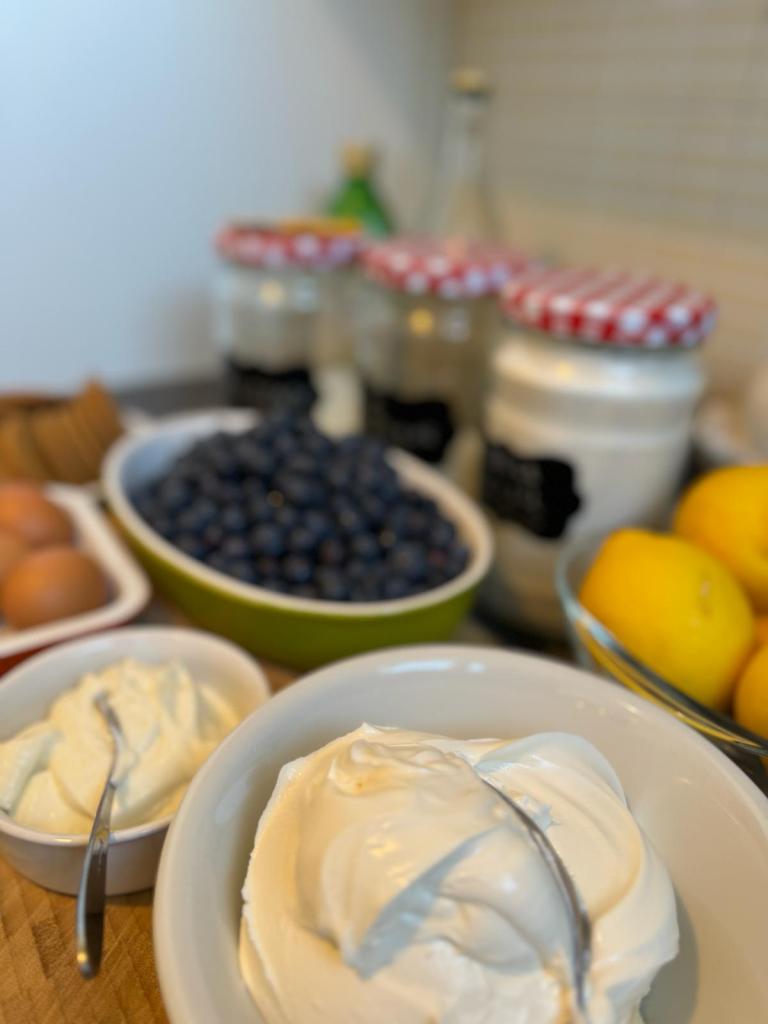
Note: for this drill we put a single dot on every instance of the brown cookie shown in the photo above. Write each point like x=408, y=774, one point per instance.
x=90, y=445
x=20, y=456
x=51, y=440
x=102, y=412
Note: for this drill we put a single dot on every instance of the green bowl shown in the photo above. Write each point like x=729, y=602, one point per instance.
x=296, y=631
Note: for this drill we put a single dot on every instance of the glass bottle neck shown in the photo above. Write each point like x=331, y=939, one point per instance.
x=459, y=202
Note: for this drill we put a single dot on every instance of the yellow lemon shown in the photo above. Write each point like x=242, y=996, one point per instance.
x=761, y=629
x=750, y=702
x=726, y=513
x=673, y=606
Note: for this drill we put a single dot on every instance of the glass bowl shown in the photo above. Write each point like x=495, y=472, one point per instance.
x=596, y=648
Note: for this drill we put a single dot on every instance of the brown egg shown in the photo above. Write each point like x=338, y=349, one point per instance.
x=52, y=584
x=12, y=550
x=25, y=510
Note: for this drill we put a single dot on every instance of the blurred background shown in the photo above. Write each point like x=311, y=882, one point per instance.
x=622, y=133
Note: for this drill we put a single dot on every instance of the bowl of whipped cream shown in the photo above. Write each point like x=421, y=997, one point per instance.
x=360, y=867
x=177, y=694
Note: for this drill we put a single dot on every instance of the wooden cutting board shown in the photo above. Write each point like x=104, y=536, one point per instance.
x=39, y=980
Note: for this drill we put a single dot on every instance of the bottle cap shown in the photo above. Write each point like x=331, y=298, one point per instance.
x=358, y=159
x=471, y=82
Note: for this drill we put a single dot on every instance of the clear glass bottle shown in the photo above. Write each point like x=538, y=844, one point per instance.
x=459, y=201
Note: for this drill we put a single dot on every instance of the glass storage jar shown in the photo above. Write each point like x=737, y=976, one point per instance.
x=422, y=340
x=275, y=291
x=588, y=421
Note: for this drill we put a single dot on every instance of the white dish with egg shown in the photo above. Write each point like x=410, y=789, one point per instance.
x=54, y=858
x=706, y=820
x=128, y=584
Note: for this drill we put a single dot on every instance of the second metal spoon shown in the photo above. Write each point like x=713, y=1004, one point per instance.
x=91, y=895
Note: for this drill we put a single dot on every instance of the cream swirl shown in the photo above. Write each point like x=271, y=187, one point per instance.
x=388, y=883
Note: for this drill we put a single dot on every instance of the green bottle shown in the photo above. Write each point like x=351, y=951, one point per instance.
x=357, y=197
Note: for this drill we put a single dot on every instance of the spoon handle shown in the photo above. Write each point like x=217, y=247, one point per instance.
x=91, y=895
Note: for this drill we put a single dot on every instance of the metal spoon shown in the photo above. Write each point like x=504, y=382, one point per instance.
x=91, y=895
x=581, y=928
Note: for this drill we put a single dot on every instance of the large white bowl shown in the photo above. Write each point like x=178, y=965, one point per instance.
x=26, y=693
x=707, y=820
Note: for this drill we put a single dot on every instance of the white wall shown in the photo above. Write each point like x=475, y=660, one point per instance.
x=129, y=131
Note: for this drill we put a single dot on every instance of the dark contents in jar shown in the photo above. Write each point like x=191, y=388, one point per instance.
x=256, y=387
x=285, y=507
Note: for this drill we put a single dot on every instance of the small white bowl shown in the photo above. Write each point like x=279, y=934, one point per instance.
x=26, y=693
x=708, y=822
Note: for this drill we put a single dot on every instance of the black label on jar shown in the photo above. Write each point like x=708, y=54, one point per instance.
x=269, y=390
x=538, y=494
x=422, y=428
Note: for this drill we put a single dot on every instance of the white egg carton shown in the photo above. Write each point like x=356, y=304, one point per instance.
x=129, y=586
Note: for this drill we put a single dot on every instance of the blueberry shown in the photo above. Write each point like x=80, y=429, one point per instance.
x=331, y=552
x=234, y=519
x=297, y=569
x=417, y=524
x=284, y=445
x=442, y=534
x=337, y=476
x=357, y=570
x=457, y=560
x=437, y=559
x=410, y=561
x=276, y=584
x=302, y=464
x=349, y=517
x=236, y=547
x=173, y=496
x=267, y=566
x=332, y=584
x=242, y=569
x=287, y=517
x=302, y=540
x=374, y=509
x=319, y=522
x=210, y=486
x=395, y=586
x=217, y=561
x=301, y=490
x=213, y=535
x=258, y=509
x=365, y=547
x=258, y=459
x=197, y=516
x=191, y=545
x=268, y=539
x=164, y=525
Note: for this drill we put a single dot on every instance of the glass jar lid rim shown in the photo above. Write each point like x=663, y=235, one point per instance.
x=609, y=307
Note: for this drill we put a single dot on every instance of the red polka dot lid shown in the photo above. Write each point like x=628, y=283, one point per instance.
x=310, y=245
x=609, y=307
x=450, y=269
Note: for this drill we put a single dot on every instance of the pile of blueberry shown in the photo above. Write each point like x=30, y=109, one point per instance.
x=285, y=507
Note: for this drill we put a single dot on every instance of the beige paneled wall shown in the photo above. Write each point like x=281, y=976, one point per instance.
x=635, y=132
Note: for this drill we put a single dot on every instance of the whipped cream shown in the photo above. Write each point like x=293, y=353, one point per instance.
x=52, y=773
x=388, y=883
